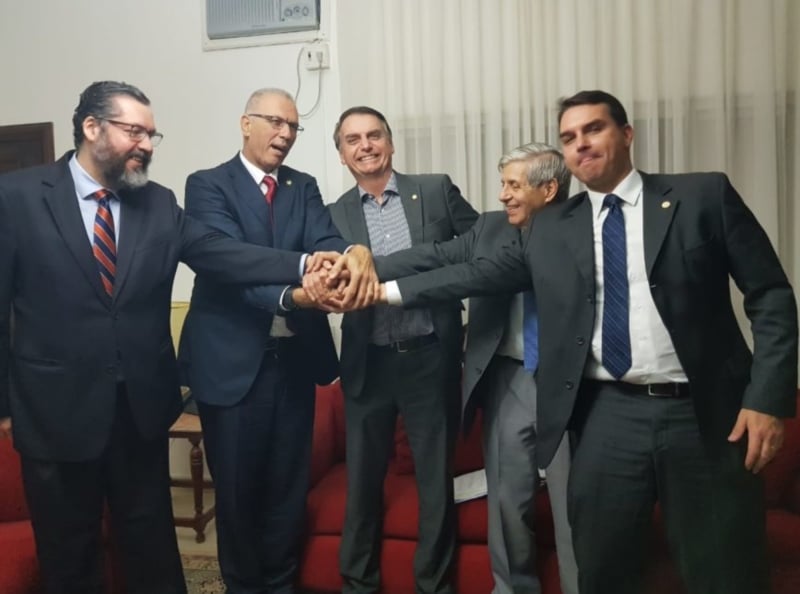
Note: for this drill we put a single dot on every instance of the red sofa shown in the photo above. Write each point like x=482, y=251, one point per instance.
x=19, y=569
x=319, y=570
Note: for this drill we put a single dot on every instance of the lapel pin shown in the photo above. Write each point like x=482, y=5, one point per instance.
x=666, y=204
x=414, y=196
x=288, y=182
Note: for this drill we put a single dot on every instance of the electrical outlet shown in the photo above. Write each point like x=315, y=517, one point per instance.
x=316, y=56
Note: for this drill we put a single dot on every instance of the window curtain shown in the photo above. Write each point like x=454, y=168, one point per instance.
x=708, y=85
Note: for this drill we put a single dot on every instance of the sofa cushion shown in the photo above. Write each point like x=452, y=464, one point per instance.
x=782, y=470
x=12, y=503
x=783, y=535
x=19, y=570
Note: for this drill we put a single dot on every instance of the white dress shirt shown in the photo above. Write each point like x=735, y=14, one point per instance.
x=653, y=357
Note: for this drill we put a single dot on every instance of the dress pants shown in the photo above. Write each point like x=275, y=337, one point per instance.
x=66, y=502
x=415, y=384
x=258, y=452
x=508, y=391
x=634, y=449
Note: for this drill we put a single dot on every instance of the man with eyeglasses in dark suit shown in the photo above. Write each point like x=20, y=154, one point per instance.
x=250, y=358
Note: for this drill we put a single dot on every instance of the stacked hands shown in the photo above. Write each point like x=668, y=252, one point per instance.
x=335, y=282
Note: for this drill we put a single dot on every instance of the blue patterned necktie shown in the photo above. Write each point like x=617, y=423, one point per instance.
x=530, y=331
x=616, y=318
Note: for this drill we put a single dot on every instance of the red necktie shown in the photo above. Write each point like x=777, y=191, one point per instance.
x=104, y=245
x=272, y=185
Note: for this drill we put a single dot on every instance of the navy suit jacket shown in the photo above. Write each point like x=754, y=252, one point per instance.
x=69, y=343
x=227, y=327
x=698, y=234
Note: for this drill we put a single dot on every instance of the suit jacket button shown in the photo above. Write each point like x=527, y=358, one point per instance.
x=568, y=385
x=580, y=340
x=111, y=370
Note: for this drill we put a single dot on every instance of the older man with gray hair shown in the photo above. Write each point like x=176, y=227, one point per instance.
x=499, y=369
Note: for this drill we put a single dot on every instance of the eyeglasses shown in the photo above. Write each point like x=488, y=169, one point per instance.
x=277, y=122
x=135, y=132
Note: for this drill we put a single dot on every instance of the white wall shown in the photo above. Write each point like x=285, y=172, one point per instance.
x=51, y=50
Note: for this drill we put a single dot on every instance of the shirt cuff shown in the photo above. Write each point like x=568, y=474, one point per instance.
x=302, y=270
x=393, y=296
x=281, y=307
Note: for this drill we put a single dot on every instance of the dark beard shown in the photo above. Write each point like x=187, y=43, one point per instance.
x=114, y=170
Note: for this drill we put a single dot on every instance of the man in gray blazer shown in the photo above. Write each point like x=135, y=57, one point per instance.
x=394, y=360
x=495, y=379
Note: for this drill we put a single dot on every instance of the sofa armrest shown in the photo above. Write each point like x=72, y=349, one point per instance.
x=12, y=502
x=324, y=445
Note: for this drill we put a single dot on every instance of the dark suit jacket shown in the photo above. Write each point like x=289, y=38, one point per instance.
x=487, y=315
x=435, y=211
x=71, y=342
x=223, y=338
x=697, y=233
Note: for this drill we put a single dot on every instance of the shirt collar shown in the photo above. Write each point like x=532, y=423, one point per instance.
x=256, y=173
x=629, y=190
x=85, y=184
x=391, y=188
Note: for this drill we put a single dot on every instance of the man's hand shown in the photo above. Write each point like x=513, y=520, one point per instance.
x=358, y=269
x=764, y=437
x=327, y=303
x=321, y=260
x=5, y=428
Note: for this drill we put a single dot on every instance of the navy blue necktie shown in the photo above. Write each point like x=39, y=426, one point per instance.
x=616, y=317
x=530, y=331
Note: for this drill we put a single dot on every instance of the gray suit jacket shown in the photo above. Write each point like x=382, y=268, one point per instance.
x=435, y=211
x=487, y=315
x=698, y=234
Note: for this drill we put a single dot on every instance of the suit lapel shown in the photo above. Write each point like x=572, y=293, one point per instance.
x=577, y=233
x=658, y=213
x=249, y=193
x=132, y=217
x=282, y=206
x=61, y=202
x=411, y=197
x=354, y=215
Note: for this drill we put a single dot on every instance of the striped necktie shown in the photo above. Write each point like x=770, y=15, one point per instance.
x=616, y=341
x=104, y=245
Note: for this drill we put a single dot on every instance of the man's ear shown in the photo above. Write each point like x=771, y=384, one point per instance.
x=244, y=124
x=551, y=190
x=91, y=128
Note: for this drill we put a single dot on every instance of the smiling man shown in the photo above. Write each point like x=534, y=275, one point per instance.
x=499, y=368
x=397, y=361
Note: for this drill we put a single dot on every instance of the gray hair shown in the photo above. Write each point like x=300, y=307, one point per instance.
x=259, y=93
x=544, y=163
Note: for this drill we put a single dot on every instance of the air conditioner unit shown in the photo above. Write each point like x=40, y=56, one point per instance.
x=229, y=19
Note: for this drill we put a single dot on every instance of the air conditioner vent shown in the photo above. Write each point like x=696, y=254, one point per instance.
x=226, y=19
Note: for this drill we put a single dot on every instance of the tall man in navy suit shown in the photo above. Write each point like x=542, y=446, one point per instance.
x=88, y=252
x=251, y=359
x=643, y=360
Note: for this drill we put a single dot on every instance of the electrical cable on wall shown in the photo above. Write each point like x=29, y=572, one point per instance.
x=318, y=57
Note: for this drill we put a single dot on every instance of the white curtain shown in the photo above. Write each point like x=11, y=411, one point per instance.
x=708, y=85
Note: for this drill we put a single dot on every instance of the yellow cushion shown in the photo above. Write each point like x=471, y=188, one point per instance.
x=177, y=316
